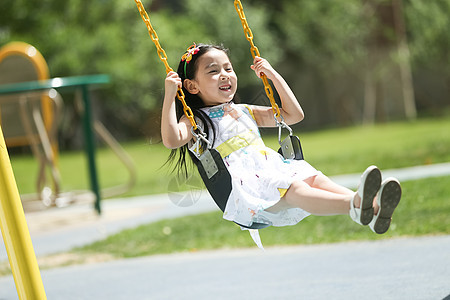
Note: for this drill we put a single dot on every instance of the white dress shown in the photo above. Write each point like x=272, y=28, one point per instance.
x=260, y=175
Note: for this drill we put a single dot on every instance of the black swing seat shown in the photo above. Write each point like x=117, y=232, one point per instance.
x=217, y=179
x=291, y=148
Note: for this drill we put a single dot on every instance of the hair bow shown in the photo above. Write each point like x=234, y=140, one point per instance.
x=193, y=49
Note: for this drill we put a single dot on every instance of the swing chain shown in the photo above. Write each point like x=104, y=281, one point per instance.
x=153, y=35
x=247, y=31
x=163, y=57
x=200, y=136
x=255, y=52
x=281, y=124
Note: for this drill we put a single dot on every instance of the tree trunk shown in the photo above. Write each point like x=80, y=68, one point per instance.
x=404, y=63
x=388, y=81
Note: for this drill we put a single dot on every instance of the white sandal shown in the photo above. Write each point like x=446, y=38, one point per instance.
x=368, y=188
x=388, y=199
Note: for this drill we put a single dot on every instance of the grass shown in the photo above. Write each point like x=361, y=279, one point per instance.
x=334, y=151
x=424, y=209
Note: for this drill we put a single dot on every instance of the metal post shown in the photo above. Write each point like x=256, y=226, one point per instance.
x=90, y=145
x=16, y=234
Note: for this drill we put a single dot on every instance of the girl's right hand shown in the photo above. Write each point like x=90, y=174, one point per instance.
x=172, y=83
x=261, y=65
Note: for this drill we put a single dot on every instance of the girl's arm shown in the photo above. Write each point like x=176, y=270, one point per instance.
x=174, y=133
x=290, y=110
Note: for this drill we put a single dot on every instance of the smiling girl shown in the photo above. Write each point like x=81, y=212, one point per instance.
x=266, y=188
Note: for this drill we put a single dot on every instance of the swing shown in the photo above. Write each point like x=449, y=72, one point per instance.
x=290, y=147
x=209, y=163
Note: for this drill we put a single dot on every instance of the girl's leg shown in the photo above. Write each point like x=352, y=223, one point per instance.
x=314, y=200
x=324, y=183
x=319, y=195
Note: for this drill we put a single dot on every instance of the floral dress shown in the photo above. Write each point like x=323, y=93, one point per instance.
x=260, y=175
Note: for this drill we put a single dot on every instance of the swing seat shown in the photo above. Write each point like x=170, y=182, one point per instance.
x=291, y=148
x=217, y=180
x=219, y=183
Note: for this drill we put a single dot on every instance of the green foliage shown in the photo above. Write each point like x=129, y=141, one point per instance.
x=428, y=24
x=79, y=37
x=327, y=34
x=313, y=43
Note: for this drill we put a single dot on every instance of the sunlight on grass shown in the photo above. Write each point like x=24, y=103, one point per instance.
x=422, y=211
x=424, y=208
x=333, y=151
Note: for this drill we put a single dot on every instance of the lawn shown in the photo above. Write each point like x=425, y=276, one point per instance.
x=422, y=211
x=424, y=208
x=334, y=151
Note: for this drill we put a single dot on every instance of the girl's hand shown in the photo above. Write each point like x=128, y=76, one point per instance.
x=261, y=65
x=172, y=83
x=174, y=132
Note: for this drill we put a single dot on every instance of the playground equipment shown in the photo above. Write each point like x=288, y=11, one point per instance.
x=209, y=162
x=15, y=233
x=31, y=117
x=31, y=111
x=31, y=107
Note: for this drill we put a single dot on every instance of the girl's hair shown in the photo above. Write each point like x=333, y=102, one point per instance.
x=187, y=69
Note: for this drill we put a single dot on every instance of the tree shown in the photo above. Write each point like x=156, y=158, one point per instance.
x=388, y=79
x=321, y=47
x=427, y=29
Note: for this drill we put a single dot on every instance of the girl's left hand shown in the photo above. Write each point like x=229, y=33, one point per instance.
x=261, y=65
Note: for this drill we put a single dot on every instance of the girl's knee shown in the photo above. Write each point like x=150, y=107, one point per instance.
x=320, y=179
x=296, y=189
x=298, y=185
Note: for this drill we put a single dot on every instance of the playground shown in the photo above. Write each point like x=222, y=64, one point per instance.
x=131, y=227
x=414, y=263
x=402, y=268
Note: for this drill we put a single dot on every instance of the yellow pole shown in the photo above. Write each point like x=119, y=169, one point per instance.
x=15, y=233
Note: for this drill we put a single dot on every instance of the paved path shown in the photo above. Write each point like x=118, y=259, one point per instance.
x=409, y=269
x=56, y=230
x=60, y=229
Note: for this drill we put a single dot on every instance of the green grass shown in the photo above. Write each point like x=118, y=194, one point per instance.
x=334, y=151
x=422, y=211
x=424, y=208
x=393, y=145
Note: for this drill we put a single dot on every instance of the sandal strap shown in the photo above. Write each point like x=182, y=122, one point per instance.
x=355, y=213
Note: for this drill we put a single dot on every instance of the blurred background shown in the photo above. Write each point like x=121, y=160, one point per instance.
x=373, y=77
x=348, y=61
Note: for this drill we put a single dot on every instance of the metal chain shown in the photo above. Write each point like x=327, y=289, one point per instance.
x=255, y=52
x=162, y=55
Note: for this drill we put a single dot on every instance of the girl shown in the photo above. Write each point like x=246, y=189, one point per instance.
x=266, y=188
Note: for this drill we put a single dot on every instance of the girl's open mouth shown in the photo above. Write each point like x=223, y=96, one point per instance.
x=225, y=87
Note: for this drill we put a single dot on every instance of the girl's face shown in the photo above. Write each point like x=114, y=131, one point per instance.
x=215, y=81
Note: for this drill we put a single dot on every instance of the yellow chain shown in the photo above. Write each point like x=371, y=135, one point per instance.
x=255, y=52
x=162, y=55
